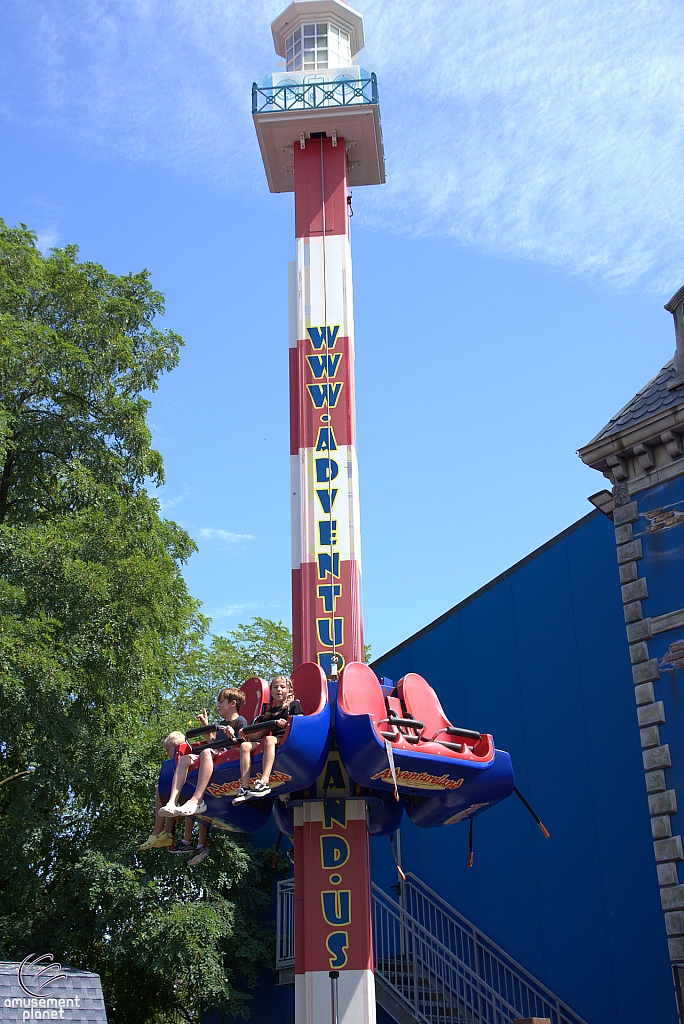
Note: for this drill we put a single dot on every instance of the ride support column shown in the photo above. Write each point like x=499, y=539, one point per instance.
x=333, y=935
x=333, y=931
x=326, y=549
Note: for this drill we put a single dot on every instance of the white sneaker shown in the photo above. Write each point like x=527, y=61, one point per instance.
x=170, y=810
x=192, y=807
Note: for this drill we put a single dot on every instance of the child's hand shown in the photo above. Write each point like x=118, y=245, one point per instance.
x=281, y=723
x=203, y=717
x=228, y=729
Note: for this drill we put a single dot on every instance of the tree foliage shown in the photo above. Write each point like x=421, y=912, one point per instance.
x=77, y=351
x=102, y=652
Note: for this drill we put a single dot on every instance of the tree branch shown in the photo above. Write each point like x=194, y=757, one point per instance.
x=16, y=775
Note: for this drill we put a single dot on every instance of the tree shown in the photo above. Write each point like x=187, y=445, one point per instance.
x=101, y=646
x=77, y=352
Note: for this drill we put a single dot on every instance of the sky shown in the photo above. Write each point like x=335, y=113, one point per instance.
x=509, y=277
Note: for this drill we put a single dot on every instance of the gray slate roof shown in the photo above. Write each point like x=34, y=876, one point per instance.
x=653, y=397
x=78, y=985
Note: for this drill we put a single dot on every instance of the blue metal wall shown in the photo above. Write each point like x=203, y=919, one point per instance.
x=539, y=658
x=662, y=566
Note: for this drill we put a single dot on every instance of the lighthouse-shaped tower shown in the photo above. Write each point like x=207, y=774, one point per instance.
x=318, y=125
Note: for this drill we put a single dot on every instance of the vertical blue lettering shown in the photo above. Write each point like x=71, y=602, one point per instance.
x=326, y=440
x=323, y=629
x=319, y=364
x=334, y=811
x=326, y=469
x=327, y=499
x=334, y=849
x=328, y=565
x=327, y=533
x=337, y=907
x=337, y=944
x=329, y=593
x=322, y=394
x=318, y=336
x=324, y=659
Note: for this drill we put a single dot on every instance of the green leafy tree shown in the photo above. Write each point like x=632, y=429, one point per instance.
x=101, y=647
x=77, y=350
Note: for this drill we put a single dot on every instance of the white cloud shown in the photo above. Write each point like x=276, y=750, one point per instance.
x=209, y=534
x=166, y=504
x=544, y=131
x=47, y=239
x=231, y=611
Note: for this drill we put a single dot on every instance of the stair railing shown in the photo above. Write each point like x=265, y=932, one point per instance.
x=437, y=965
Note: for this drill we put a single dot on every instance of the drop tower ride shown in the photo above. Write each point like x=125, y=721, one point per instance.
x=318, y=125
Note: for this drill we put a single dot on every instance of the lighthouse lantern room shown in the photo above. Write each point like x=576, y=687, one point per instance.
x=323, y=90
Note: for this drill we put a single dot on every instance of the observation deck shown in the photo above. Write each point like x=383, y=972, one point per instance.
x=290, y=107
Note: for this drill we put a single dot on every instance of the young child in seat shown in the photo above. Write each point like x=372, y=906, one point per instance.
x=229, y=701
x=281, y=707
x=162, y=835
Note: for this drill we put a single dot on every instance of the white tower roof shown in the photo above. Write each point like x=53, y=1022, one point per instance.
x=305, y=11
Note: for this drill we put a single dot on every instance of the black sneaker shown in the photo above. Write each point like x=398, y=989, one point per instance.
x=182, y=847
x=258, y=790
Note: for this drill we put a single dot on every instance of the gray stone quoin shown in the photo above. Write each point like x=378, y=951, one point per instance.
x=641, y=448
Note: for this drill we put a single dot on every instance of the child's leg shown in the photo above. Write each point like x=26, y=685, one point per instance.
x=158, y=818
x=179, y=777
x=187, y=835
x=202, y=851
x=206, y=769
x=162, y=834
x=246, y=749
x=270, y=744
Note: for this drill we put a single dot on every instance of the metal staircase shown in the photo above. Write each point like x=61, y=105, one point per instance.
x=433, y=966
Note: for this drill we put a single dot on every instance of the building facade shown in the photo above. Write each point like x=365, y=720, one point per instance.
x=540, y=655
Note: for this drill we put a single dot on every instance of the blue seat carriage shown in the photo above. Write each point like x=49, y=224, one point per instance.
x=398, y=748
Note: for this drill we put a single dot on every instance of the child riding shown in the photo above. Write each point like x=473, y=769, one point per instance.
x=229, y=701
x=163, y=835
x=281, y=707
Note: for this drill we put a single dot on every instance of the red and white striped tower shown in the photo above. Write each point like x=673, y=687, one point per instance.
x=326, y=548
x=318, y=125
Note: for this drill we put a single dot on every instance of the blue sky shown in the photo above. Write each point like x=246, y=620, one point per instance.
x=509, y=277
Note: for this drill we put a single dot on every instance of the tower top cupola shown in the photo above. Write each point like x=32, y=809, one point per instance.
x=315, y=35
x=323, y=93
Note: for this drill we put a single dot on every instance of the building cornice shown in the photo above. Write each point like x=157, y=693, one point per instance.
x=644, y=432
x=641, y=454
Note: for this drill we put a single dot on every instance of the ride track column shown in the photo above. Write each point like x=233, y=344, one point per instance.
x=326, y=551
x=333, y=920
x=333, y=926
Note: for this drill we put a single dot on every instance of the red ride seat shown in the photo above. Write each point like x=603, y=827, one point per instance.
x=256, y=695
x=310, y=687
x=422, y=702
x=360, y=693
